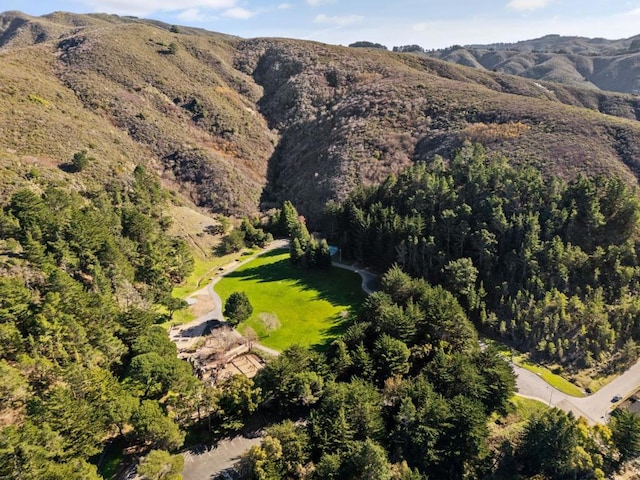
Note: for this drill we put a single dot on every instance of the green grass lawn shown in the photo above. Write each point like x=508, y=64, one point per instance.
x=309, y=305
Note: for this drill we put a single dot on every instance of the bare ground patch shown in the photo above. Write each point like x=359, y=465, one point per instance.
x=224, y=353
x=203, y=305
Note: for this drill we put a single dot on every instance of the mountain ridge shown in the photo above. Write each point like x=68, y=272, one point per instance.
x=597, y=63
x=235, y=124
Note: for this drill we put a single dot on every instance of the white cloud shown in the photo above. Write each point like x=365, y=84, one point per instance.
x=193, y=15
x=338, y=20
x=528, y=4
x=238, y=13
x=148, y=7
x=317, y=3
x=285, y=6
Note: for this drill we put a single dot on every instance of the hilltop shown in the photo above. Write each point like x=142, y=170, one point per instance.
x=578, y=61
x=235, y=124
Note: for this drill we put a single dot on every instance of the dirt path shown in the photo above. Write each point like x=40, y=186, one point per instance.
x=187, y=335
x=211, y=464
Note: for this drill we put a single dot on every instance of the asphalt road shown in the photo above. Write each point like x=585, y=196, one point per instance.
x=595, y=408
x=211, y=463
x=189, y=333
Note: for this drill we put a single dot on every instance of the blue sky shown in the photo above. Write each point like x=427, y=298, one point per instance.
x=429, y=23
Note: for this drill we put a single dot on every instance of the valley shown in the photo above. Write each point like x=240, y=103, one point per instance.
x=146, y=309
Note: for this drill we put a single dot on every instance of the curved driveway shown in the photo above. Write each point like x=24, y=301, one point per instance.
x=189, y=333
x=595, y=408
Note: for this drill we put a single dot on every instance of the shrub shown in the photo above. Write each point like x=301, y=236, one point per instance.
x=80, y=160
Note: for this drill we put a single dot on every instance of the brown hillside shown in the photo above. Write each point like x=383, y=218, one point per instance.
x=351, y=116
x=232, y=122
x=577, y=61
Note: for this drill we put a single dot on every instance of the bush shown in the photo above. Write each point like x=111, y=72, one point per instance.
x=80, y=160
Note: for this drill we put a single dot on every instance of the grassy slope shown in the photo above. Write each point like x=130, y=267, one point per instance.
x=308, y=304
x=308, y=121
x=522, y=360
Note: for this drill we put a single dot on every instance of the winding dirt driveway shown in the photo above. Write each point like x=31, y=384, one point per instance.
x=188, y=334
x=212, y=463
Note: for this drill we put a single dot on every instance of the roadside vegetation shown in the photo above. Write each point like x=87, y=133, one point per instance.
x=533, y=239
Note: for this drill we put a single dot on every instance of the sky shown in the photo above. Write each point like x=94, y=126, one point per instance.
x=428, y=23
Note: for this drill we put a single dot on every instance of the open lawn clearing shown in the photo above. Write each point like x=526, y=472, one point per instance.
x=301, y=306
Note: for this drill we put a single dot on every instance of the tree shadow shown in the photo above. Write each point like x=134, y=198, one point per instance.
x=195, y=331
x=68, y=167
x=334, y=285
x=339, y=325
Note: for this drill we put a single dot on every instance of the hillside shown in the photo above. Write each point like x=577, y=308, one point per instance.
x=120, y=137
x=232, y=124
x=577, y=61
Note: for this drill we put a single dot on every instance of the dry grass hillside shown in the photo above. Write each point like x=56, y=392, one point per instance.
x=352, y=116
x=577, y=61
x=231, y=124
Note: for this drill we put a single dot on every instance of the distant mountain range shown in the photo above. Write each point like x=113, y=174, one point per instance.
x=235, y=125
x=583, y=62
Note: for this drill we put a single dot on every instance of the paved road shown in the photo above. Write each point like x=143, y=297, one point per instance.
x=595, y=407
x=211, y=463
x=189, y=333
x=369, y=280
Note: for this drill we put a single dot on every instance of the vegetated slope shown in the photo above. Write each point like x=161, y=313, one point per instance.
x=578, y=61
x=350, y=117
x=233, y=122
x=133, y=92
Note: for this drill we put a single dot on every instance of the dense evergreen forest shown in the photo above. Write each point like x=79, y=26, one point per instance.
x=407, y=394
x=550, y=267
x=81, y=361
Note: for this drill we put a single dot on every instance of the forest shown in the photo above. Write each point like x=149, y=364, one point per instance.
x=81, y=360
x=406, y=392
x=547, y=266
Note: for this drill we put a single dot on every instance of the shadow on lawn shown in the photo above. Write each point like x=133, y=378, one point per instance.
x=336, y=286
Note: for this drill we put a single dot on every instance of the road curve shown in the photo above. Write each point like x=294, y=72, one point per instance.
x=595, y=408
x=211, y=463
x=369, y=280
x=188, y=334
